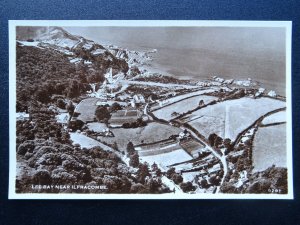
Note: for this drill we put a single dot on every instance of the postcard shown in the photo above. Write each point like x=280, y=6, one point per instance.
x=150, y=110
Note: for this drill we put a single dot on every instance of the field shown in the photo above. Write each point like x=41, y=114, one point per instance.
x=87, y=108
x=158, y=148
x=123, y=116
x=96, y=126
x=209, y=124
x=62, y=117
x=269, y=147
x=166, y=159
x=192, y=147
x=278, y=117
x=189, y=177
x=229, y=118
x=86, y=142
x=182, y=106
x=182, y=97
x=151, y=133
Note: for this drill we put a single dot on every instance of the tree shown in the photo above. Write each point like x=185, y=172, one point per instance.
x=102, y=113
x=140, y=122
x=158, y=172
x=130, y=148
x=70, y=108
x=170, y=172
x=74, y=90
x=143, y=172
x=177, y=178
x=204, y=183
x=61, y=103
x=227, y=144
x=115, y=107
x=154, y=184
x=75, y=125
x=154, y=167
x=126, y=125
x=134, y=160
x=115, y=146
x=99, y=77
x=137, y=188
x=214, y=180
x=42, y=96
x=214, y=140
x=187, y=187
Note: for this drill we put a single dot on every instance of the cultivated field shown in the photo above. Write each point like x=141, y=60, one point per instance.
x=229, y=118
x=86, y=142
x=269, y=147
x=151, y=133
x=182, y=97
x=278, y=117
x=158, y=148
x=192, y=147
x=166, y=159
x=182, y=106
x=123, y=116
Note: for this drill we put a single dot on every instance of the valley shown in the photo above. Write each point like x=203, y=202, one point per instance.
x=96, y=114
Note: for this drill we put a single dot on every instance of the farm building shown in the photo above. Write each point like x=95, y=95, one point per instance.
x=139, y=98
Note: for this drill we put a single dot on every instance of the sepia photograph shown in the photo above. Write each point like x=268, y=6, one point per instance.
x=150, y=110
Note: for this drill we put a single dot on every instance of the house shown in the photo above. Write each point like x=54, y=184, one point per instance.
x=272, y=93
x=107, y=133
x=184, y=134
x=20, y=116
x=163, y=103
x=229, y=81
x=215, y=168
x=138, y=98
x=132, y=103
x=219, y=79
x=109, y=77
x=259, y=92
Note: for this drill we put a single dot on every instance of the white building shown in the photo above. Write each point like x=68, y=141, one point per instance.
x=272, y=93
x=139, y=98
x=162, y=103
x=22, y=116
x=109, y=77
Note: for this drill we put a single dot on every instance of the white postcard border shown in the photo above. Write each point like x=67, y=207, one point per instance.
x=143, y=23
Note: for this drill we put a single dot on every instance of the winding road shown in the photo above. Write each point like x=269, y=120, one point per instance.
x=221, y=158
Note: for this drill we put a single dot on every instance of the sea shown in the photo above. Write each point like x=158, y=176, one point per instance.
x=199, y=64
x=197, y=54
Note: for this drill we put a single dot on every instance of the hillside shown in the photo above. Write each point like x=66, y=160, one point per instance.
x=52, y=61
x=54, y=70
